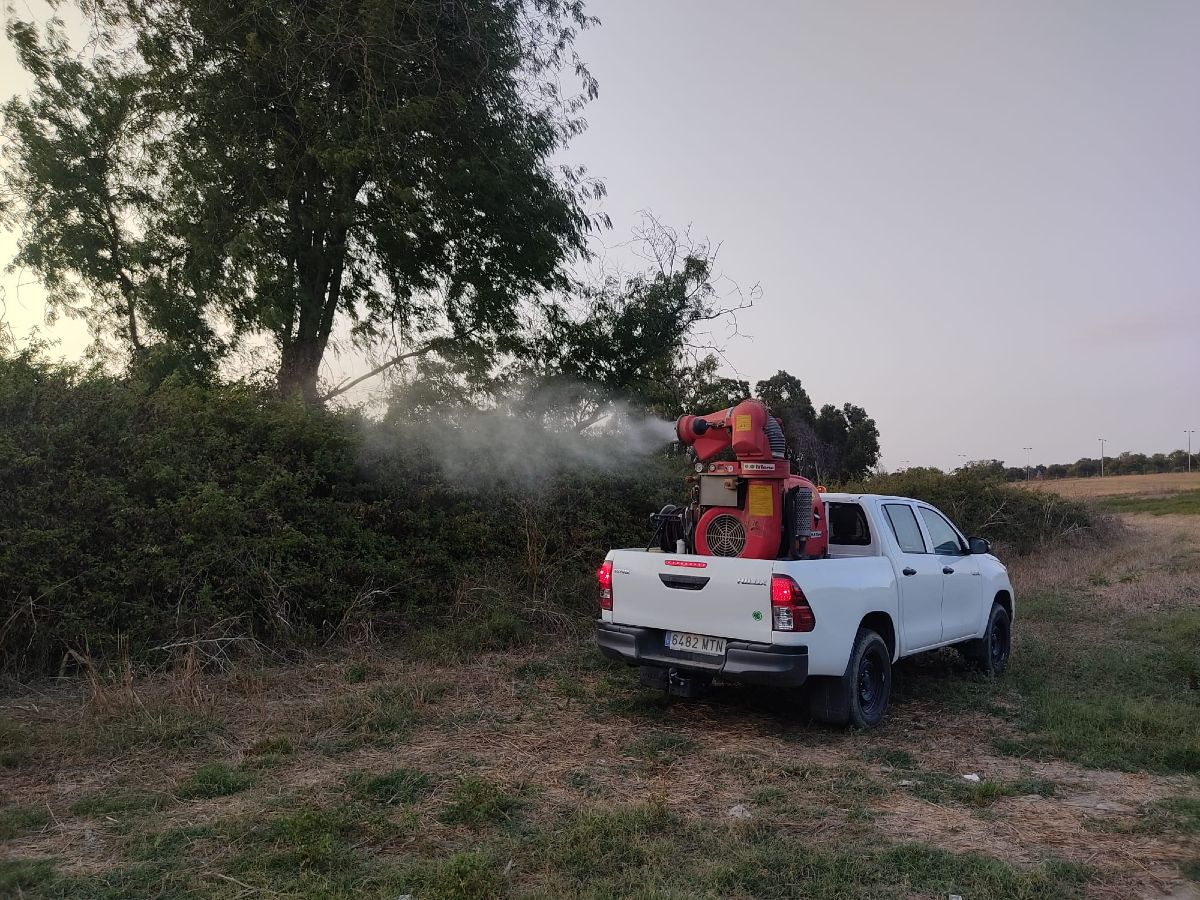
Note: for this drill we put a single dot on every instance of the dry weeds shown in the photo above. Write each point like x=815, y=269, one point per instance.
x=552, y=738
x=1113, y=485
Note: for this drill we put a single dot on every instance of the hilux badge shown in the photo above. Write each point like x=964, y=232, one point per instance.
x=754, y=581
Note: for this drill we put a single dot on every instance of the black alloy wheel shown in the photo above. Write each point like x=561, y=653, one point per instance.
x=874, y=683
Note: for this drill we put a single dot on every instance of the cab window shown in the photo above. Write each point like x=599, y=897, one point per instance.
x=848, y=525
x=945, y=538
x=904, y=527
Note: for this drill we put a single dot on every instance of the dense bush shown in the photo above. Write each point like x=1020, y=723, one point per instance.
x=983, y=505
x=180, y=511
x=158, y=510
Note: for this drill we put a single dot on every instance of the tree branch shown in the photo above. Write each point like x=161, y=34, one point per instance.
x=383, y=367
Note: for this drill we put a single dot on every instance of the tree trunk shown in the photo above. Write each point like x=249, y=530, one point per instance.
x=299, y=366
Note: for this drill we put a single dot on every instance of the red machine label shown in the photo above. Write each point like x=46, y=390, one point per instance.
x=758, y=467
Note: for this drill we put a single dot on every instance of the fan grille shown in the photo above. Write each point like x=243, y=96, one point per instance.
x=725, y=536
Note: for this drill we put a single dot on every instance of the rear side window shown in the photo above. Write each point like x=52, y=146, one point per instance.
x=848, y=525
x=945, y=538
x=905, y=527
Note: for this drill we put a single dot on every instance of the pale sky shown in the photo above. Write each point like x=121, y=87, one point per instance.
x=980, y=221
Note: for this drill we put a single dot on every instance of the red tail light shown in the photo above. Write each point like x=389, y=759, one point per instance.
x=604, y=579
x=789, y=607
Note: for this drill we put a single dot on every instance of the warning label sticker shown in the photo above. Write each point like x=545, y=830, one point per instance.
x=741, y=423
x=762, y=500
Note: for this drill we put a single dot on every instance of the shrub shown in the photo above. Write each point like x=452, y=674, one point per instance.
x=983, y=505
x=159, y=512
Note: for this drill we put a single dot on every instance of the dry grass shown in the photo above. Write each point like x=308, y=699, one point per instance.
x=1115, y=485
x=555, y=735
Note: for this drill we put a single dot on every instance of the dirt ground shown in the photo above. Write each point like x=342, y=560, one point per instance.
x=550, y=725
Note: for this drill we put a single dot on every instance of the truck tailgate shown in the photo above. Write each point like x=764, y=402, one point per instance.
x=724, y=597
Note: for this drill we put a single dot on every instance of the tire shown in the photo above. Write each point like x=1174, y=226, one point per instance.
x=861, y=696
x=990, y=653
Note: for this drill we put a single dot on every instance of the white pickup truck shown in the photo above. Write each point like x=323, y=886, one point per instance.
x=899, y=579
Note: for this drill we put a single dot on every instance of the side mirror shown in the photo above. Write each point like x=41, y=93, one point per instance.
x=980, y=545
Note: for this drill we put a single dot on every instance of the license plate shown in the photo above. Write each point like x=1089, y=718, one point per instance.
x=694, y=643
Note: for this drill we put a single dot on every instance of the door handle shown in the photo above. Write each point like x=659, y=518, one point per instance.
x=910, y=571
x=946, y=570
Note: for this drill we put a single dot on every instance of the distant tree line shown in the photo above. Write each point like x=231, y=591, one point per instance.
x=1085, y=467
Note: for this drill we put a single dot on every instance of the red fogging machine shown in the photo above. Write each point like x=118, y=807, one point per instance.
x=750, y=506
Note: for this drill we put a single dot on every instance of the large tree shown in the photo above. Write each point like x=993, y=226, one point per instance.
x=854, y=438
x=80, y=185
x=835, y=444
x=374, y=169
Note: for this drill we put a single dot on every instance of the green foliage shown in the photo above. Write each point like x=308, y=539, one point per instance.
x=833, y=445
x=985, y=506
x=173, y=510
x=78, y=180
x=1121, y=464
x=285, y=169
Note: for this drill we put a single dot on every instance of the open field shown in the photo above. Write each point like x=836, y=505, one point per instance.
x=1173, y=493
x=550, y=773
x=1113, y=485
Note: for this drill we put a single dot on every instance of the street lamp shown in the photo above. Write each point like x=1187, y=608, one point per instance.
x=1101, y=456
x=1189, y=432
x=1028, y=457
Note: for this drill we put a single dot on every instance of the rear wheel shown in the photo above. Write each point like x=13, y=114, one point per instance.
x=861, y=696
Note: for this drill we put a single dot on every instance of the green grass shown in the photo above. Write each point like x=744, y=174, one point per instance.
x=117, y=801
x=661, y=747
x=214, y=780
x=1180, y=815
x=168, y=727
x=1128, y=701
x=477, y=802
x=16, y=744
x=396, y=787
x=646, y=851
x=1126, y=696
x=387, y=713
x=1185, y=503
x=891, y=757
x=18, y=820
x=20, y=875
x=270, y=752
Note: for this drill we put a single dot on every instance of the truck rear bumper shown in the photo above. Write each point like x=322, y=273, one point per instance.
x=743, y=661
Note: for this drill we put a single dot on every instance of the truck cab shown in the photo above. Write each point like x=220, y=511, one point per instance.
x=898, y=578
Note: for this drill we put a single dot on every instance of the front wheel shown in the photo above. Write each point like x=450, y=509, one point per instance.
x=991, y=652
x=862, y=695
